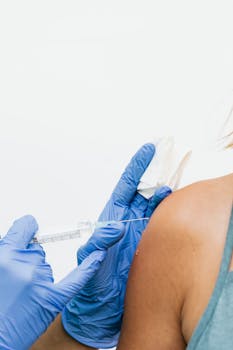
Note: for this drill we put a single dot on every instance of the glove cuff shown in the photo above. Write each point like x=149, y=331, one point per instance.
x=76, y=333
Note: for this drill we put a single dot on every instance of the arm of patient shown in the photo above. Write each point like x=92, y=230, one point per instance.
x=176, y=267
x=155, y=292
x=57, y=338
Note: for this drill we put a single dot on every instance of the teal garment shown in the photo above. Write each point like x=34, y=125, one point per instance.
x=215, y=329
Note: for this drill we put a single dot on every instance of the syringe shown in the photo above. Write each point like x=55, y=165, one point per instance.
x=83, y=228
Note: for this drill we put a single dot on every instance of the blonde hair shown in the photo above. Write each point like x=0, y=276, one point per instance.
x=229, y=145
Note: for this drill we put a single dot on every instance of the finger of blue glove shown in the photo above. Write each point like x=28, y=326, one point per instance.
x=36, y=246
x=102, y=239
x=36, y=250
x=139, y=204
x=78, y=278
x=127, y=185
x=21, y=232
x=157, y=198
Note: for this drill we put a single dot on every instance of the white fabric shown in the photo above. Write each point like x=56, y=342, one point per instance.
x=176, y=166
x=166, y=167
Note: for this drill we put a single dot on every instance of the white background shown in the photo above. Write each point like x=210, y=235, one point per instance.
x=83, y=84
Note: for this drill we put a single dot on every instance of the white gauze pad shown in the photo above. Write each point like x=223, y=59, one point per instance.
x=166, y=167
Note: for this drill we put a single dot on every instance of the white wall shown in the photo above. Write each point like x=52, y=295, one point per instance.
x=84, y=83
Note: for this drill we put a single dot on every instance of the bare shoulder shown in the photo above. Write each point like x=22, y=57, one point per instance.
x=188, y=232
x=186, y=211
x=176, y=266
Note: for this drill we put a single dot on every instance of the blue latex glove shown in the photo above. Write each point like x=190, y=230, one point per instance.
x=94, y=316
x=29, y=300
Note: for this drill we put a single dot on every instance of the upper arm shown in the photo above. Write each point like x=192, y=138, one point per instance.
x=157, y=285
x=175, y=269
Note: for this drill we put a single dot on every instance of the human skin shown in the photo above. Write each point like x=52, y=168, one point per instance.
x=176, y=267
x=173, y=273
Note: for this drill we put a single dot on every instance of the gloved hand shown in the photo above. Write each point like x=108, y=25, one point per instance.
x=94, y=316
x=29, y=300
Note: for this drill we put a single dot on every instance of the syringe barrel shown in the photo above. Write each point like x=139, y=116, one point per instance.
x=84, y=229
